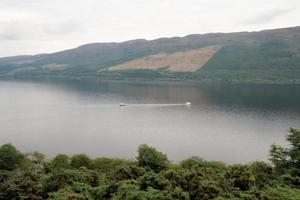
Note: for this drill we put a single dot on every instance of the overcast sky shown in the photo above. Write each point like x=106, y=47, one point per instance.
x=41, y=26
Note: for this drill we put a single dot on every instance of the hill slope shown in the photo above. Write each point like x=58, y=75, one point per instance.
x=265, y=56
x=186, y=61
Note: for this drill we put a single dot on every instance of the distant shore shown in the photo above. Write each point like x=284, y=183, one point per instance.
x=146, y=80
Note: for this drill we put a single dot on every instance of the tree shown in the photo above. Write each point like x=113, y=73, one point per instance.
x=279, y=158
x=192, y=162
x=127, y=171
x=149, y=156
x=37, y=159
x=81, y=160
x=279, y=192
x=286, y=158
x=241, y=177
x=262, y=172
x=10, y=157
x=21, y=186
x=106, y=165
x=294, y=151
x=61, y=161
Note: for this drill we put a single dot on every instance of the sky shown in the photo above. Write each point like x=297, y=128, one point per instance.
x=44, y=26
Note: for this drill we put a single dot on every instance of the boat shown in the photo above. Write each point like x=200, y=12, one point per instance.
x=187, y=103
x=122, y=104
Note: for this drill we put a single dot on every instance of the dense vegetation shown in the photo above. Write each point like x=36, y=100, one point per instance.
x=265, y=56
x=150, y=176
x=271, y=60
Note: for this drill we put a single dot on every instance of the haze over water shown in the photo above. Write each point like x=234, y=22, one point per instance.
x=231, y=123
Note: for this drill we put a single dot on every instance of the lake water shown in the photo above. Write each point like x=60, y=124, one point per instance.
x=231, y=123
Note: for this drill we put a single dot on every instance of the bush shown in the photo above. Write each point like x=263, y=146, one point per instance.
x=62, y=161
x=150, y=157
x=106, y=165
x=152, y=177
x=10, y=157
x=81, y=160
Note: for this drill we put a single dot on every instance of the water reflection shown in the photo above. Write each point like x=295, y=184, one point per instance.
x=233, y=123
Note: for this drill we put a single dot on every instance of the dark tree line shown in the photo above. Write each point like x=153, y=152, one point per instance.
x=150, y=176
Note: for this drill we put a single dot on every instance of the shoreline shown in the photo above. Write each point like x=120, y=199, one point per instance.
x=143, y=80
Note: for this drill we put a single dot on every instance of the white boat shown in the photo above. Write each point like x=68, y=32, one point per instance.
x=187, y=103
x=122, y=104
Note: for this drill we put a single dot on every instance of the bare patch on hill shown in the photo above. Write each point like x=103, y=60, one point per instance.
x=187, y=61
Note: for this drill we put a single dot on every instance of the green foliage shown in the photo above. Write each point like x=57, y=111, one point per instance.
x=280, y=193
x=202, y=183
x=106, y=165
x=20, y=186
x=279, y=157
x=262, y=172
x=294, y=151
x=192, y=162
x=151, y=177
x=81, y=160
x=127, y=171
x=153, y=180
x=35, y=161
x=129, y=190
x=61, y=161
x=287, y=157
x=10, y=157
x=242, y=177
x=262, y=62
x=150, y=157
x=287, y=160
x=272, y=54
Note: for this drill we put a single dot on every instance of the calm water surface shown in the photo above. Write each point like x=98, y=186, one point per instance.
x=232, y=123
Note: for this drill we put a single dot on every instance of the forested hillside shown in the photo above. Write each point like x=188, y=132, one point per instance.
x=265, y=56
x=151, y=176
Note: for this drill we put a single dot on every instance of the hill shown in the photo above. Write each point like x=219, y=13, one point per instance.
x=264, y=56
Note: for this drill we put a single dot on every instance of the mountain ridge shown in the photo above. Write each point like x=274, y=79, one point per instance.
x=242, y=52
x=161, y=38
